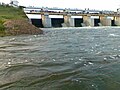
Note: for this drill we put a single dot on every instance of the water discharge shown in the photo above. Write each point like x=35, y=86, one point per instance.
x=61, y=59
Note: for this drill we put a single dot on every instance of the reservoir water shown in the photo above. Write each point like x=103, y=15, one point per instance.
x=62, y=59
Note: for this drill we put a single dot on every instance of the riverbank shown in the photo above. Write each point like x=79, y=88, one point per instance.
x=13, y=21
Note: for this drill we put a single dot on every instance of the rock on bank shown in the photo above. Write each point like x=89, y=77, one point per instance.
x=18, y=27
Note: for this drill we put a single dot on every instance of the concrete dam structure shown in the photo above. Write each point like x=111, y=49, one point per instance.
x=68, y=19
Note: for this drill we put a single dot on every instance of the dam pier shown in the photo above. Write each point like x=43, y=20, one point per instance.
x=73, y=18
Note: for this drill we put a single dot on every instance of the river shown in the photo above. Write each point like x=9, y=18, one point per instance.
x=62, y=59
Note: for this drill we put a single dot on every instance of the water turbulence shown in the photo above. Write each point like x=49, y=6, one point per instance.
x=61, y=59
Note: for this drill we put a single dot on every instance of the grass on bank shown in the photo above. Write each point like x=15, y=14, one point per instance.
x=9, y=13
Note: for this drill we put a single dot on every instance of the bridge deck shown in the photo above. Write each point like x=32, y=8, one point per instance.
x=75, y=14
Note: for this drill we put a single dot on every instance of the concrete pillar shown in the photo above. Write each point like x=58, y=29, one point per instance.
x=105, y=21
x=68, y=21
x=46, y=21
x=117, y=21
x=88, y=21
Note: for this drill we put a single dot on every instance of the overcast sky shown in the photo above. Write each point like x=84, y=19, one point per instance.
x=81, y=4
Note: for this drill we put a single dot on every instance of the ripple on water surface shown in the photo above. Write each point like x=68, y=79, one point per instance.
x=61, y=59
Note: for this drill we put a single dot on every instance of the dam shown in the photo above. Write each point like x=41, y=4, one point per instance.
x=72, y=18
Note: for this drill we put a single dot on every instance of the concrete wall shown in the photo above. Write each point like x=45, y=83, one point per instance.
x=68, y=21
x=46, y=21
x=72, y=22
x=117, y=21
x=88, y=21
x=105, y=21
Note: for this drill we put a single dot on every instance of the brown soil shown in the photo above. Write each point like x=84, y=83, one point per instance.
x=18, y=27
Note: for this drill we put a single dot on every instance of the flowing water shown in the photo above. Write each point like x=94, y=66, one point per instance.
x=61, y=59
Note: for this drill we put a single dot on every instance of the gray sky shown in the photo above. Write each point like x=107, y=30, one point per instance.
x=81, y=4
